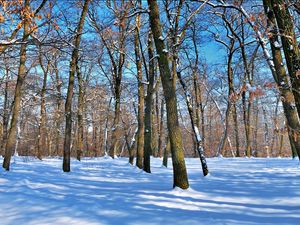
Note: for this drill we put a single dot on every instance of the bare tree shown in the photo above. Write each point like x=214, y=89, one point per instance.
x=68, y=104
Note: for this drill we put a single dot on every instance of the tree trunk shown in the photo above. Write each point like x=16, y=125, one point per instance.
x=282, y=80
x=179, y=168
x=5, y=113
x=68, y=104
x=142, y=130
x=255, y=133
x=276, y=129
x=166, y=152
x=117, y=77
x=131, y=146
x=236, y=130
x=194, y=127
x=106, y=128
x=289, y=44
x=292, y=143
x=229, y=99
x=200, y=120
x=266, y=133
x=148, y=108
x=57, y=116
x=79, y=114
x=161, y=129
x=42, y=139
x=10, y=143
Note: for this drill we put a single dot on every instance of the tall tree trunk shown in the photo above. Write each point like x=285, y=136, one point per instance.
x=221, y=149
x=166, y=152
x=106, y=128
x=281, y=141
x=236, y=130
x=117, y=76
x=202, y=116
x=194, y=127
x=282, y=80
x=179, y=168
x=222, y=145
x=276, y=129
x=96, y=135
x=42, y=139
x=148, y=107
x=57, y=132
x=5, y=113
x=79, y=113
x=154, y=135
x=266, y=133
x=140, y=154
x=10, y=143
x=200, y=119
x=157, y=131
x=115, y=145
x=255, y=133
x=289, y=44
x=161, y=129
x=68, y=104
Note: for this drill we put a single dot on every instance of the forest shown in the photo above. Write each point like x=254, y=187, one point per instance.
x=127, y=78
x=127, y=98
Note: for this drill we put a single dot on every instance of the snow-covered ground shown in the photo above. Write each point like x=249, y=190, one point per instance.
x=105, y=191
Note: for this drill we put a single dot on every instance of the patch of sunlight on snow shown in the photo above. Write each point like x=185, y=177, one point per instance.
x=37, y=185
x=173, y=205
x=114, y=213
x=3, y=181
x=109, y=180
x=63, y=220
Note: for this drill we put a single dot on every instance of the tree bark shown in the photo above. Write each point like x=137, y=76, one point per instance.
x=131, y=146
x=179, y=168
x=196, y=132
x=166, y=152
x=5, y=113
x=289, y=44
x=42, y=139
x=236, y=130
x=58, y=115
x=68, y=104
x=79, y=114
x=10, y=143
x=148, y=107
x=161, y=129
x=282, y=80
x=140, y=154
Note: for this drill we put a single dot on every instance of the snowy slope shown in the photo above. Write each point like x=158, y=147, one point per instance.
x=106, y=191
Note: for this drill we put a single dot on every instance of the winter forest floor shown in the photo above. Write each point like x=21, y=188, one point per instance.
x=105, y=191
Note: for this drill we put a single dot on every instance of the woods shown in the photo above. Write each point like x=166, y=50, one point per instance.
x=144, y=79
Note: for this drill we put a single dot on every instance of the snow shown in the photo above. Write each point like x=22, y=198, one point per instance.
x=106, y=191
x=198, y=136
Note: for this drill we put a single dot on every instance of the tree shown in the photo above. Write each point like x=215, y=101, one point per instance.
x=289, y=45
x=42, y=123
x=179, y=169
x=141, y=125
x=282, y=79
x=68, y=103
x=114, y=41
x=10, y=142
